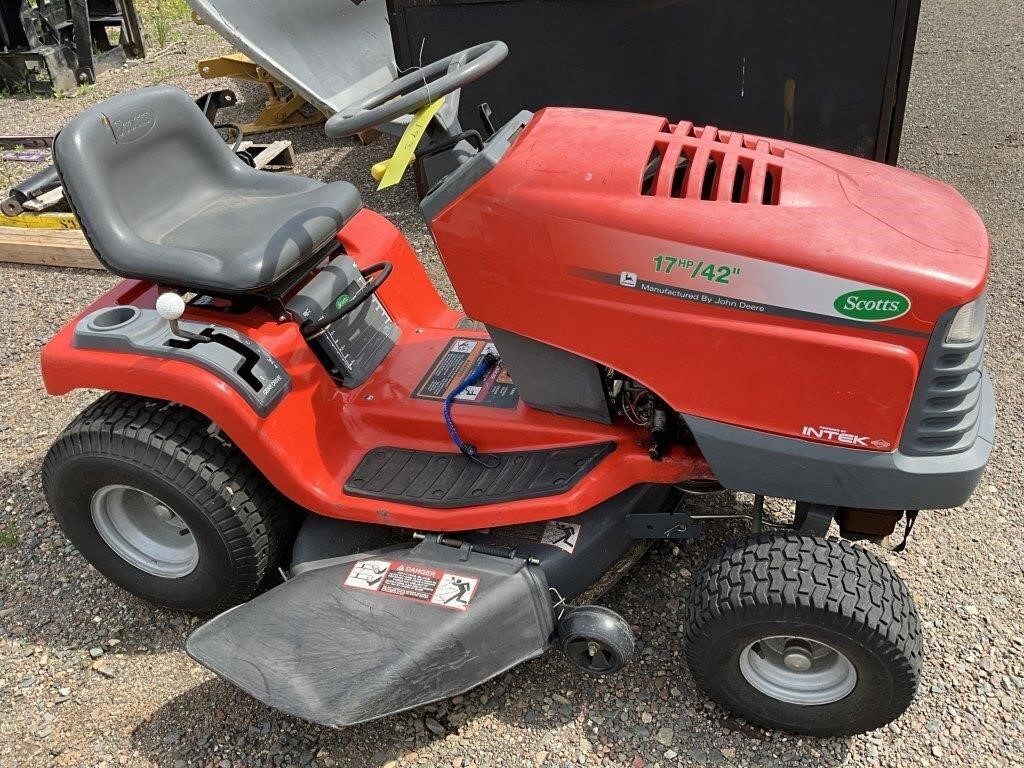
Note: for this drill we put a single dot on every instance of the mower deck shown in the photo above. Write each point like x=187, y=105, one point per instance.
x=381, y=634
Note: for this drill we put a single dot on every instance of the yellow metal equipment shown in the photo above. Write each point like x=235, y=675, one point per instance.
x=40, y=221
x=284, y=109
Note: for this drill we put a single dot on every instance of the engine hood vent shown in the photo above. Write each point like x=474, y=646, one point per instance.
x=703, y=163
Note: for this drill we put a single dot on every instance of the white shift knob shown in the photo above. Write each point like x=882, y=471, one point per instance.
x=170, y=306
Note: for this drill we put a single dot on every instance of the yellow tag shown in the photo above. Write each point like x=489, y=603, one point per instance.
x=406, y=150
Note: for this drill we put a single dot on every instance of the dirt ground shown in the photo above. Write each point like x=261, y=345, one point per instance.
x=90, y=676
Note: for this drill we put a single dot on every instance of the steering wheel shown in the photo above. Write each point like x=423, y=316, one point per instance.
x=395, y=99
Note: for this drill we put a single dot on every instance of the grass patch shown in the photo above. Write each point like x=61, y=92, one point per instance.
x=82, y=90
x=8, y=537
x=161, y=16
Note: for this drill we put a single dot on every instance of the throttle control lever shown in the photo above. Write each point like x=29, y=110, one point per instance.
x=170, y=306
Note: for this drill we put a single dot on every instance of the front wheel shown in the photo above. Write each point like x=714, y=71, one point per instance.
x=159, y=502
x=804, y=634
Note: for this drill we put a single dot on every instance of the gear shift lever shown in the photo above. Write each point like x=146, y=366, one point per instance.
x=170, y=306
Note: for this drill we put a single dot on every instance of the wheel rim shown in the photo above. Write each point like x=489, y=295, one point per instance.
x=798, y=670
x=144, y=531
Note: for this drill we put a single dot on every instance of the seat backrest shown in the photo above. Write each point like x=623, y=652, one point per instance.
x=133, y=165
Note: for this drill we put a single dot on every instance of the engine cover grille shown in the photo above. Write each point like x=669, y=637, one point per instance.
x=704, y=163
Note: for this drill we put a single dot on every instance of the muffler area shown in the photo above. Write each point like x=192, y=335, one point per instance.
x=381, y=633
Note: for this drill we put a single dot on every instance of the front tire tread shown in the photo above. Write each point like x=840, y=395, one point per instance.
x=808, y=579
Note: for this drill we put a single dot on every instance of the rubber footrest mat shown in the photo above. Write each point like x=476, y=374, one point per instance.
x=429, y=479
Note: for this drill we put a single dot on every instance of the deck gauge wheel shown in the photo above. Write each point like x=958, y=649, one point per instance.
x=596, y=639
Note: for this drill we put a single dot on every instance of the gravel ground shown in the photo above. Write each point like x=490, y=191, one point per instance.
x=89, y=676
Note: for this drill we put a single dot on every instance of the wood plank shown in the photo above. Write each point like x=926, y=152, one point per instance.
x=276, y=155
x=52, y=248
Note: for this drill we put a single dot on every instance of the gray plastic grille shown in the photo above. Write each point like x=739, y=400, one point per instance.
x=943, y=416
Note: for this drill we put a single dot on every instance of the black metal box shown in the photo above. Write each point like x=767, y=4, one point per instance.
x=832, y=73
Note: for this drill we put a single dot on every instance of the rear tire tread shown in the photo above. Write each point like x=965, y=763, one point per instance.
x=184, y=448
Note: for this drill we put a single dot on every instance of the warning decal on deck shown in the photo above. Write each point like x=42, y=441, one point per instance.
x=555, y=533
x=458, y=358
x=413, y=582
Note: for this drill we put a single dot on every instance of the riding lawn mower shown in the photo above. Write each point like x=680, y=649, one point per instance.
x=383, y=502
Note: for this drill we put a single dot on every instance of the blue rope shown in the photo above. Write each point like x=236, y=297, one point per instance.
x=480, y=370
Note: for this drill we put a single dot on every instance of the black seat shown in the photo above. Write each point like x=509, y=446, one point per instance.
x=161, y=197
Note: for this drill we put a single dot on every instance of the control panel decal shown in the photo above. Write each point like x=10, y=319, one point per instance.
x=456, y=360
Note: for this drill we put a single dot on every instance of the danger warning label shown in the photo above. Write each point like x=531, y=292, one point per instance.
x=554, y=533
x=454, y=363
x=413, y=582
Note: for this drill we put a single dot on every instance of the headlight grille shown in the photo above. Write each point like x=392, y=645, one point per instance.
x=943, y=416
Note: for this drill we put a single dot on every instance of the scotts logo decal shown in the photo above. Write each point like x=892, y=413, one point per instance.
x=655, y=267
x=130, y=125
x=872, y=305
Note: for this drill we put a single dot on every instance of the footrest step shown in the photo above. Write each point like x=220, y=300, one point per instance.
x=442, y=480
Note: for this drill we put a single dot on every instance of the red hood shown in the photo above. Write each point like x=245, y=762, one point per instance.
x=828, y=213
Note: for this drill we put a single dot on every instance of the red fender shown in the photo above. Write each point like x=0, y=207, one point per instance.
x=313, y=439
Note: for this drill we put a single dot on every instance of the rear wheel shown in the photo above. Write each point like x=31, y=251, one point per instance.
x=804, y=634
x=159, y=502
